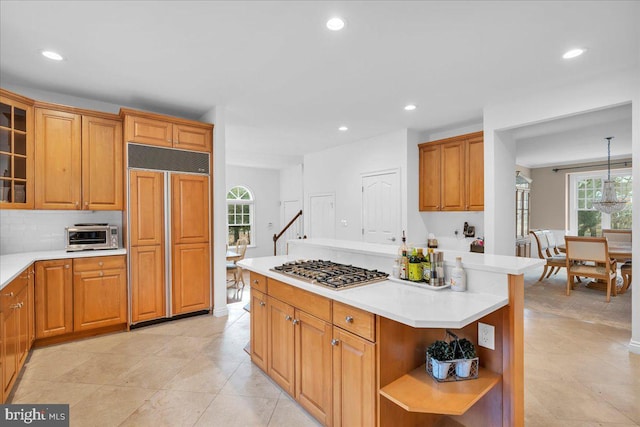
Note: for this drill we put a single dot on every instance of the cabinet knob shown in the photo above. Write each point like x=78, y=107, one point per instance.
x=348, y=319
x=262, y=304
x=77, y=204
x=296, y=321
x=86, y=203
x=335, y=342
x=100, y=263
x=10, y=294
x=287, y=317
x=256, y=281
x=21, y=304
x=100, y=274
x=67, y=266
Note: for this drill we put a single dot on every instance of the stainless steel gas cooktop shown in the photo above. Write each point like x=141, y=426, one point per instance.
x=330, y=274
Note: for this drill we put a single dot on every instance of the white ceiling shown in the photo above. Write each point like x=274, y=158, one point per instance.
x=287, y=82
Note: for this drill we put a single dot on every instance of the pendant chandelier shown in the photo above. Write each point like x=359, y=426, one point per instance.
x=609, y=202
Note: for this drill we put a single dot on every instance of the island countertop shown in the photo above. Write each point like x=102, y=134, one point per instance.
x=404, y=303
x=12, y=265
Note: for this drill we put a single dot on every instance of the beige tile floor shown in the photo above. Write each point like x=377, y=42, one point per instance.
x=193, y=372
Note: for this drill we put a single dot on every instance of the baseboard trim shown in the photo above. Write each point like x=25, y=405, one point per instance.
x=221, y=312
x=634, y=346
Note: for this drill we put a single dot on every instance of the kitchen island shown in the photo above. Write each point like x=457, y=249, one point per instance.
x=356, y=356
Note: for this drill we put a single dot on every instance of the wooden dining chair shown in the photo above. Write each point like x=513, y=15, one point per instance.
x=617, y=235
x=589, y=257
x=233, y=267
x=554, y=261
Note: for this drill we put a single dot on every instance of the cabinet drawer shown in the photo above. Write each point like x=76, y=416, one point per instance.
x=258, y=282
x=98, y=263
x=354, y=320
x=305, y=301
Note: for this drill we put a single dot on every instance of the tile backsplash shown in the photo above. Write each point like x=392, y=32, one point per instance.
x=38, y=230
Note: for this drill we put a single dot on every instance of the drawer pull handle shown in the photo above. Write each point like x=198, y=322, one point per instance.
x=348, y=319
x=296, y=321
x=10, y=294
x=287, y=317
x=262, y=304
x=335, y=342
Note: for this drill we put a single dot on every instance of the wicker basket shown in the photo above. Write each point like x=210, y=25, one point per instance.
x=453, y=370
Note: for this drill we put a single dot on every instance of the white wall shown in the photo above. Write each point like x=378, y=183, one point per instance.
x=338, y=170
x=39, y=230
x=616, y=88
x=265, y=186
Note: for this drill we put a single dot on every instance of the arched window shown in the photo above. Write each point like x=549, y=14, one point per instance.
x=239, y=214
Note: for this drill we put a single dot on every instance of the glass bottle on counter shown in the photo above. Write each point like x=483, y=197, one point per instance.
x=426, y=266
x=403, y=251
x=415, y=267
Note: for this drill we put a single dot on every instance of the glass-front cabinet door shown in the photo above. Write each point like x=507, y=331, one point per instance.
x=16, y=151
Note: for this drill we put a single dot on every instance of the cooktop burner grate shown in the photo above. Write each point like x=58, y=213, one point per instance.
x=330, y=274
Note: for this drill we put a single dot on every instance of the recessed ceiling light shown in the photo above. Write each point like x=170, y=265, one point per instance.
x=410, y=107
x=343, y=128
x=335, y=24
x=573, y=53
x=52, y=55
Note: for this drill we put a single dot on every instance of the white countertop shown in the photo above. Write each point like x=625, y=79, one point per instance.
x=470, y=260
x=12, y=265
x=404, y=303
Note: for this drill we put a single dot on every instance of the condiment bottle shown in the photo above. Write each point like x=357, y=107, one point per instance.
x=458, y=278
x=415, y=267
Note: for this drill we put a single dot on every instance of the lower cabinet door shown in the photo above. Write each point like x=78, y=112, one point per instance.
x=22, y=299
x=9, y=348
x=147, y=283
x=313, y=363
x=280, y=344
x=191, y=285
x=100, y=299
x=259, y=329
x=54, y=298
x=354, y=383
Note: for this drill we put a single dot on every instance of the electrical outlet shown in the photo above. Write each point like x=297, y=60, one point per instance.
x=486, y=336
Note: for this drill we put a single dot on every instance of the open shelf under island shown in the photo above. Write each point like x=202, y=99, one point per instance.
x=356, y=356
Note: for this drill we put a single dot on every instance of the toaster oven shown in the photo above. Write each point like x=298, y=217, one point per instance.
x=85, y=237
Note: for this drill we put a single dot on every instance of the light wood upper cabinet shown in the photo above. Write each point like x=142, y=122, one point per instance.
x=54, y=298
x=192, y=138
x=452, y=174
x=259, y=329
x=147, y=283
x=155, y=129
x=79, y=161
x=146, y=208
x=99, y=292
x=452, y=177
x=102, y=164
x=189, y=208
x=475, y=174
x=16, y=151
x=430, y=177
x=58, y=159
x=148, y=131
x=354, y=380
x=191, y=284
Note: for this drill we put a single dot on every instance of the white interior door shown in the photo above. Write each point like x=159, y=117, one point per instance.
x=381, y=220
x=322, y=216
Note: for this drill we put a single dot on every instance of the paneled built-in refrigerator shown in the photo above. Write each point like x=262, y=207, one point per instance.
x=168, y=233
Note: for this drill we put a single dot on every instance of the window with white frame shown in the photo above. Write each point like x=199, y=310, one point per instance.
x=586, y=188
x=239, y=214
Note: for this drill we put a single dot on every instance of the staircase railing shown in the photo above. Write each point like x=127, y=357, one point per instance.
x=284, y=230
